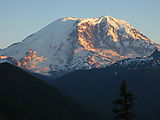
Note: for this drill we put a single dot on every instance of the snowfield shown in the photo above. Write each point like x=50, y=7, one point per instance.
x=80, y=43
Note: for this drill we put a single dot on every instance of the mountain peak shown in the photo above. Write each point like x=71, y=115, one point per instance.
x=73, y=43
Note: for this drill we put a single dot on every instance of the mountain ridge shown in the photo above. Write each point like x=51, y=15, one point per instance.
x=22, y=96
x=98, y=88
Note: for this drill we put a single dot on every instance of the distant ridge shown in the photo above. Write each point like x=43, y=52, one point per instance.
x=97, y=88
x=156, y=54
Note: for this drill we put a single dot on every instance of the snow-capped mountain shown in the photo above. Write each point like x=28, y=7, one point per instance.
x=74, y=43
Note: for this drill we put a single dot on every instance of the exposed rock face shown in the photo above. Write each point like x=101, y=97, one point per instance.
x=76, y=43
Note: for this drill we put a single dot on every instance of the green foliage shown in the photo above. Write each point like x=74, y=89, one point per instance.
x=125, y=104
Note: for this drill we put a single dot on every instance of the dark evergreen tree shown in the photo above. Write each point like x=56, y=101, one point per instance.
x=124, y=105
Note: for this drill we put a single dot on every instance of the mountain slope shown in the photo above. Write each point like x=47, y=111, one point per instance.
x=75, y=43
x=97, y=88
x=23, y=96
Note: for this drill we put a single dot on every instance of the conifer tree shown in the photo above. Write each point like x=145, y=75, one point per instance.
x=124, y=105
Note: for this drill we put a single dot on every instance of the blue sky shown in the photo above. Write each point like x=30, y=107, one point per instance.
x=20, y=18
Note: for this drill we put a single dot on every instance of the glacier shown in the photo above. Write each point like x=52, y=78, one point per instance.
x=72, y=43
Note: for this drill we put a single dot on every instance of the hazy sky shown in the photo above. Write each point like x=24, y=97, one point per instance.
x=20, y=18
